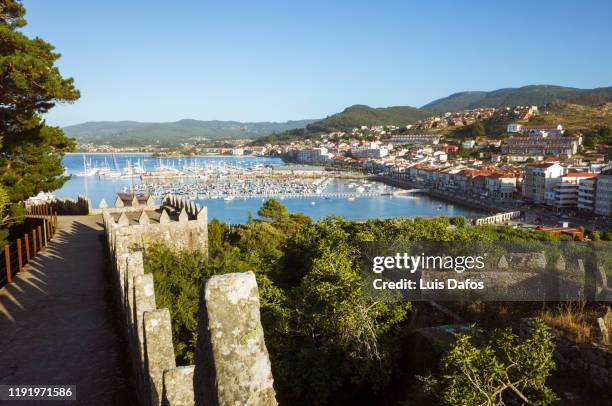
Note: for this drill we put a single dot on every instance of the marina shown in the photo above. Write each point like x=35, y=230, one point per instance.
x=234, y=187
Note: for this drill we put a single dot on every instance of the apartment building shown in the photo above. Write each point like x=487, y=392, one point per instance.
x=538, y=147
x=535, y=129
x=312, y=155
x=540, y=180
x=586, y=194
x=567, y=190
x=603, y=193
x=369, y=152
x=501, y=186
x=415, y=139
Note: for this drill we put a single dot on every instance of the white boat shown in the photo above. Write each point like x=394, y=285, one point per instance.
x=228, y=198
x=360, y=189
x=88, y=170
x=112, y=174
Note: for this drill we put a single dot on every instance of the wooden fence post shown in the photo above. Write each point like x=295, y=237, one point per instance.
x=40, y=240
x=19, y=260
x=7, y=257
x=34, y=242
x=27, y=247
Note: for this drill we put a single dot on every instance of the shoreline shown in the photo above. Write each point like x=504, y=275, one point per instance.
x=152, y=154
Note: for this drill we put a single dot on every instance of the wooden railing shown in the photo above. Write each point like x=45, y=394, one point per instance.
x=19, y=253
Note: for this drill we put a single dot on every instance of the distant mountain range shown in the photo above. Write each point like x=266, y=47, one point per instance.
x=537, y=95
x=131, y=133
x=135, y=134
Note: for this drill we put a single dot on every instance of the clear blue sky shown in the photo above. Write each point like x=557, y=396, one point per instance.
x=279, y=60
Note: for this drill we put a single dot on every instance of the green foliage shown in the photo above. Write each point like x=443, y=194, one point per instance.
x=537, y=95
x=325, y=337
x=459, y=221
x=31, y=151
x=177, y=278
x=272, y=210
x=217, y=234
x=351, y=117
x=496, y=369
x=478, y=129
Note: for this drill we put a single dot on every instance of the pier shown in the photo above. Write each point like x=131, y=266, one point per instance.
x=326, y=195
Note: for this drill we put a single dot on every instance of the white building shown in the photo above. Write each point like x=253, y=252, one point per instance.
x=415, y=139
x=367, y=152
x=540, y=180
x=500, y=186
x=535, y=129
x=513, y=128
x=567, y=190
x=312, y=155
x=468, y=144
x=440, y=156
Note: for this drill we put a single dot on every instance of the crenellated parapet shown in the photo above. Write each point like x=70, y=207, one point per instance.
x=232, y=363
x=165, y=225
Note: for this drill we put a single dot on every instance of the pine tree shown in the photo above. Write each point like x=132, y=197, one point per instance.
x=30, y=85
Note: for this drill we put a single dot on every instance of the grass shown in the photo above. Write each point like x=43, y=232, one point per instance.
x=572, y=320
x=575, y=116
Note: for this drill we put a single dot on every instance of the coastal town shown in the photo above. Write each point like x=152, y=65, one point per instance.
x=535, y=166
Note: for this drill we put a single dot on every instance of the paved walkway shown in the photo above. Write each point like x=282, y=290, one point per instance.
x=57, y=320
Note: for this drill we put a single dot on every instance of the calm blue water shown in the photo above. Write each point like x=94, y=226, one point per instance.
x=237, y=210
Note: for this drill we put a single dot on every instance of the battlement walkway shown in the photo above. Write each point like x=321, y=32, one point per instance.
x=57, y=320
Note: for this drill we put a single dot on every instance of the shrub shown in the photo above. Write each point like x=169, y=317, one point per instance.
x=495, y=369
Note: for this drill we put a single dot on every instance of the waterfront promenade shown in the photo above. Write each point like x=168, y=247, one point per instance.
x=57, y=321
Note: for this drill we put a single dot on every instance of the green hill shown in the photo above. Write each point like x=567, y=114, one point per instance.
x=359, y=115
x=456, y=101
x=134, y=134
x=351, y=117
x=538, y=95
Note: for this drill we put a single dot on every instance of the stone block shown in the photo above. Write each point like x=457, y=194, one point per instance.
x=183, y=217
x=164, y=218
x=232, y=363
x=178, y=386
x=123, y=220
x=143, y=220
x=159, y=353
x=144, y=301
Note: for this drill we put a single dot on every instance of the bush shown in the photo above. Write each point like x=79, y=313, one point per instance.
x=496, y=369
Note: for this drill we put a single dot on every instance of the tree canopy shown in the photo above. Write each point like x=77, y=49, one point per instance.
x=30, y=85
x=329, y=341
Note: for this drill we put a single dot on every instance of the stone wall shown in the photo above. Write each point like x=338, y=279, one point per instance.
x=592, y=360
x=232, y=363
